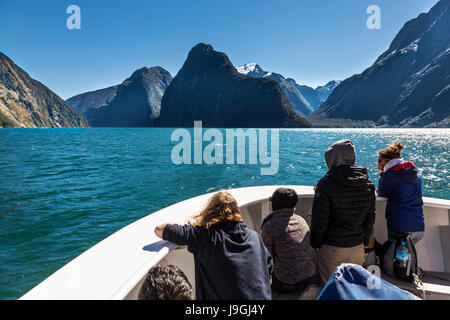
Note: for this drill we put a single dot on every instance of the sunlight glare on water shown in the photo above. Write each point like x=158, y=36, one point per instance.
x=64, y=190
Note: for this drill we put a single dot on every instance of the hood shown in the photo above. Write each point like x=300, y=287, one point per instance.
x=350, y=176
x=340, y=153
x=392, y=163
x=237, y=231
x=287, y=212
x=406, y=171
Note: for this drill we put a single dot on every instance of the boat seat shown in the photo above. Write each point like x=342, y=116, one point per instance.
x=444, y=235
x=435, y=284
x=310, y=293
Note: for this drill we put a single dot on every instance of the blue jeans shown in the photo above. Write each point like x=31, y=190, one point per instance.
x=415, y=236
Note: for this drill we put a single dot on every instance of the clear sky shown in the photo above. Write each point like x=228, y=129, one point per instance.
x=312, y=41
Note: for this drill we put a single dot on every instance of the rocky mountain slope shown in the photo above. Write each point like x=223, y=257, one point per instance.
x=25, y=102
x=408, y=85
x=319, y=95
x=209, y=88
x=299, y=103
x=136, y=102
x=94, y=99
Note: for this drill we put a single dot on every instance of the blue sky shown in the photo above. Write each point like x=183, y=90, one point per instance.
x=312, y=41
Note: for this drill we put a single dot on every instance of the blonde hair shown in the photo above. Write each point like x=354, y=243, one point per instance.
x=391, y=152
x=221, y=206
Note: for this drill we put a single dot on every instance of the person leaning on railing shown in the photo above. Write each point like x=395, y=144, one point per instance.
x=231, y=260
x=401, y=184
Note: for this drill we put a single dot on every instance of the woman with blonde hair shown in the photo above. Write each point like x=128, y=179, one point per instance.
x=401, y=184
x=231, y=261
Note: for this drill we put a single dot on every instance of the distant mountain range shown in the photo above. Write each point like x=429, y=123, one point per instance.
x=137, y=101
x=209, y=88
x=304, y=99
x=299, y=103
x=408, y=85
x=25, y=102
x=119, y=105
x=93, y=100
x=134, y=103
x=319, y=95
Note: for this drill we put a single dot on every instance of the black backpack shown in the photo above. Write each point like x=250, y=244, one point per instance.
x=386, y=254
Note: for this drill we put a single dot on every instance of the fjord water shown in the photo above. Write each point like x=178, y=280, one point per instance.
x=64, y=190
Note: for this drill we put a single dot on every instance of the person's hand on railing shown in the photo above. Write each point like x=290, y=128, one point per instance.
x=160, y=229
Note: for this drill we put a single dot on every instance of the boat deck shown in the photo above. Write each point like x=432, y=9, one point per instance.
x=311, y=293
x=115, y=267
x=435, y=284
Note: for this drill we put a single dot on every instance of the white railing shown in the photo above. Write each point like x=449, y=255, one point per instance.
x=114, y=266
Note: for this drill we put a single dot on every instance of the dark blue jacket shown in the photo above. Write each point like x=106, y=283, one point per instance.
x=231, y=261
x=403, y=188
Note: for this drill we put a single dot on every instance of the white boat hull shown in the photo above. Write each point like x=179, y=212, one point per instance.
x=115, y=267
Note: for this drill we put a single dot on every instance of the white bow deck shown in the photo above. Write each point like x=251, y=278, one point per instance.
x=115, y=267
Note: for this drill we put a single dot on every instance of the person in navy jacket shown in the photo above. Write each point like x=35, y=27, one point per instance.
x=231, y=260
x=401, y=184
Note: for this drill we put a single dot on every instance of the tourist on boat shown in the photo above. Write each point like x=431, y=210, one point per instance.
x=166, y=283
x=286, y=235
x=231, y=260
x=343, y=211
x=401, y=184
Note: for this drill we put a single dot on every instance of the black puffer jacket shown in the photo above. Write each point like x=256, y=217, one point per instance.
x=343, y=210
x=231, y=261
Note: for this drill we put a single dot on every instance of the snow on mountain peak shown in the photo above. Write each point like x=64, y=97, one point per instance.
x=250, y=68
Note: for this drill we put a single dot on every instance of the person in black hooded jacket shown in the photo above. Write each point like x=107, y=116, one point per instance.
x=343, y=210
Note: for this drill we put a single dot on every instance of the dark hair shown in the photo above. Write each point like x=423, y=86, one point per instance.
x=166, y=283
x=391, y=152
x=283, y=198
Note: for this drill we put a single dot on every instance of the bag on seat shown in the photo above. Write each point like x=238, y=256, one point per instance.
x=387, y=255
x=349, y=282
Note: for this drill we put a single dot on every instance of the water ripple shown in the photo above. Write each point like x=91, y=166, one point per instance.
x=63, y=190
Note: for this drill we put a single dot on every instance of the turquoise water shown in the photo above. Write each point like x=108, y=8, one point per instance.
x=63, y=190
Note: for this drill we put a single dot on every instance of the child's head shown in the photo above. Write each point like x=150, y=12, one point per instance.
x=166, y=283
x=220, y=207
x=283, y=198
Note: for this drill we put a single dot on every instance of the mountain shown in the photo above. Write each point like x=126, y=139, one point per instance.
x=253, y=70
x=136, y=102
x=93, y=100
x=324, y=92
x=304, y=99
x=209, y=88
x=300, y=105
x=316, y=97
x=310, y=95
x=408, y=85
x=25, y=102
